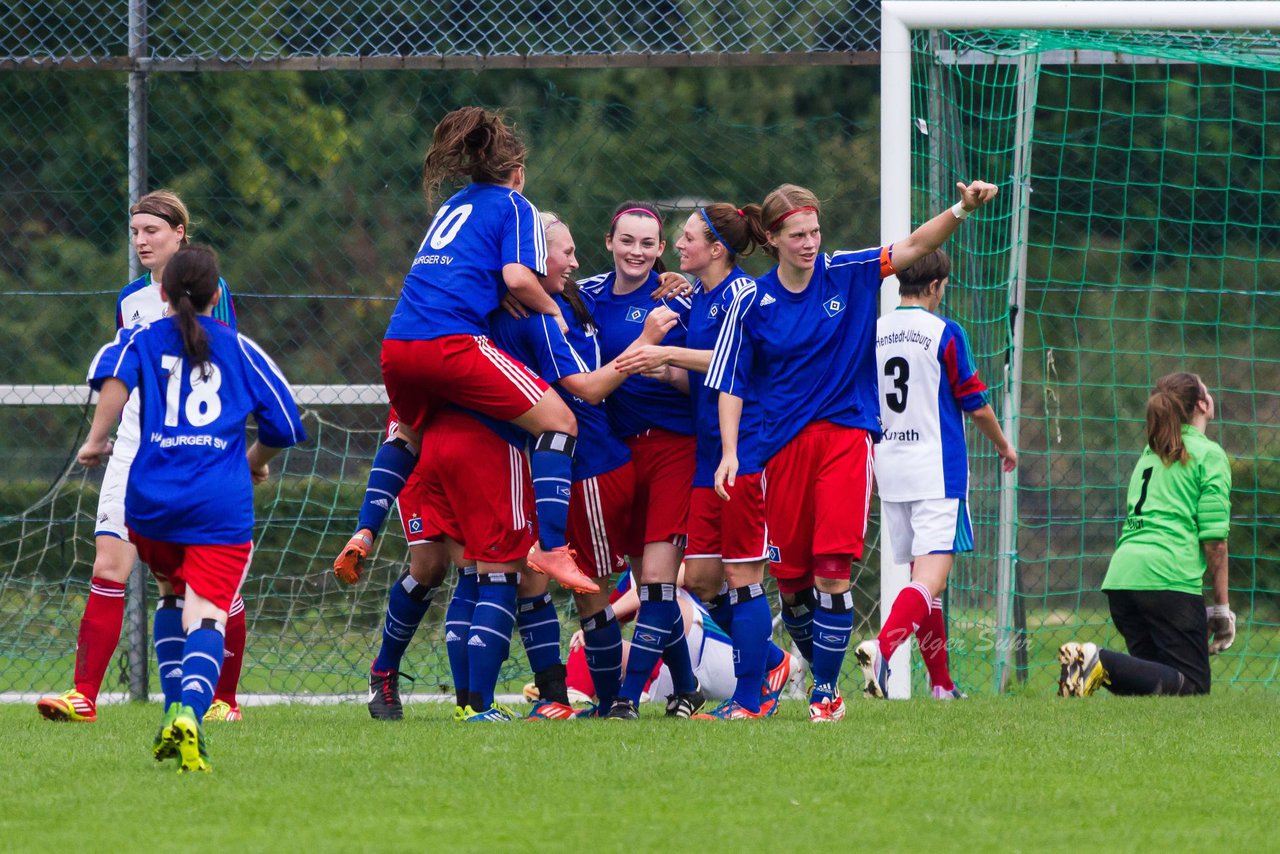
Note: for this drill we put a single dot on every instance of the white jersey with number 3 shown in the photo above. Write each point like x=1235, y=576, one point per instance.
x=927, y=380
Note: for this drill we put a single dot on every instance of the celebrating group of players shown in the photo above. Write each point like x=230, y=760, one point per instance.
x=726, y=428
x=702, y=434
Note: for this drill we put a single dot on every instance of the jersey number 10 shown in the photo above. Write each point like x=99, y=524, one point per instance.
x=445, y=227
x=203, y=405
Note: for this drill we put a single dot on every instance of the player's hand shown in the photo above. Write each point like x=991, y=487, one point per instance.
x=1222, y=628
x=578, y=640
x=1008, y=458
x=514, y=307
x=94, y=453
x=642, y=359
x=560, y=322
x=260, y=474
x=657, y=323
x=662, y=374
x=976, y=194
x=726, y=472
x=671, y=284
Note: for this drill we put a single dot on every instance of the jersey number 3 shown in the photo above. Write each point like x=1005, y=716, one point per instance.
x=203, y=404
x=897, y=370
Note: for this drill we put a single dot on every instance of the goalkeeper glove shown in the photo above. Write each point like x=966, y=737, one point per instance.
x=1222, y=628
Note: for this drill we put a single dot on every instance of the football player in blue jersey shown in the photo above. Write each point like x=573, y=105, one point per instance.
x=160, y=225
x=485, y=241
x=189, y=501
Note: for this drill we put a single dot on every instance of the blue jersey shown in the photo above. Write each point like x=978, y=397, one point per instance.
x=140, y=302
x=189, y=482
x=640, y=403
x=715, y=323
x=811, y=356
x=455, y=282
x=538, y=342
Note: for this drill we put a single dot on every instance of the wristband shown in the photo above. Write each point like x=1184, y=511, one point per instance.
x=958, y=211
x=1220, y=611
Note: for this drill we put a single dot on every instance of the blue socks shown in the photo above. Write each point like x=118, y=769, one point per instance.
x=540, y=631
x=392, y=466
x=489, y=639
x=407, y=604
x=676, y=656
x=551, y=463
x=201, y=663
x=832, y=625
x=751, y=631
x=658, y=612
x=773, y=654
x=798, y=618
x=720, y=610
x=602, y=639
x=457, y=625
x=169, y=641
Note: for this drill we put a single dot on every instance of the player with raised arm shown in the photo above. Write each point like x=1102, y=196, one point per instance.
x=1178, y=514
x=806, y=350
x=928, y=382
x=484, y=242
x=603, y=478
x=727, y=548
x=653, y=415
x=159, y=226
x=189, y=501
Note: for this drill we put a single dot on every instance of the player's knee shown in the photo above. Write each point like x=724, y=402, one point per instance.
x=559, y=419
x=428, y=564
x=831, y=585
x=706, y=589
x=112, y=567
x=532, y=584
x=592, y=603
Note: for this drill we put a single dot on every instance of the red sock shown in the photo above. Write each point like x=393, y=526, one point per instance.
x=99, y=635
x=233, y=656
x=578, y=674
x=932, y=636
x=906, y=615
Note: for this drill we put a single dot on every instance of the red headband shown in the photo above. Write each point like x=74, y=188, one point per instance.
x=643, y=211
x=773, y=226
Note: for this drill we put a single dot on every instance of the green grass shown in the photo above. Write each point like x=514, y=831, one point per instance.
x=986, y=774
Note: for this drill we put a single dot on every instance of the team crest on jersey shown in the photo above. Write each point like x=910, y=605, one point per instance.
x=833, y=306
x=636, y=314
x=415, y=526
x=715, y=309
x=775, y=554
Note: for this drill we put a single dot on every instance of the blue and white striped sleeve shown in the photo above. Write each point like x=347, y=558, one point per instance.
x=118, y=359
x=279, y=424
x=523, y=239
x=731, y=358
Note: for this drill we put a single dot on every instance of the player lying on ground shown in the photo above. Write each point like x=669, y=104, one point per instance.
x=1178, y=513
x=928, y=382
x=485, y=241
x=160, y=225
x=189, y=502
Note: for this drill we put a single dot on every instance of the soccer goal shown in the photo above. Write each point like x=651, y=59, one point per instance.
x=1137, y=232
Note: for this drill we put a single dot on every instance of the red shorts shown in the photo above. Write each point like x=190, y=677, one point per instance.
x=732, y=530
x=419, y=523
x=598, y=508
x=478, y=488
x=469, y=370
x=214, y=572
x=819, y=497
x=664, y=464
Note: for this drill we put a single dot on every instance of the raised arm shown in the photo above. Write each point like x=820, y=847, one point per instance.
x=938, y=230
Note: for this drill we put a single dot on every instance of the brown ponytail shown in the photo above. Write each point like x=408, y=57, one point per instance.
x=1172, y=405
x=190, y=283
x=474, y=142
x=739, y=229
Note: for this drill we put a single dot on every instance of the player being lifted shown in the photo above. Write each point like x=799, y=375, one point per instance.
x=1176, y=523
x=189, y=502
x=484, y=242
x=807, y=351
x=159, y=226
x=928, y=380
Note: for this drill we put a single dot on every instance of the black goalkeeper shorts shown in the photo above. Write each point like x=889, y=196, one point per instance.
x=1167, y=626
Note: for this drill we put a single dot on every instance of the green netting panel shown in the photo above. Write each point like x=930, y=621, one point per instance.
x=1153, y=229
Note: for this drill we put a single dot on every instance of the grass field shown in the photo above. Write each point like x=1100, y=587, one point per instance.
x=1003, y=773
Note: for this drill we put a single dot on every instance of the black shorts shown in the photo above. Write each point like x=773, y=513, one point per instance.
x=1167, y=626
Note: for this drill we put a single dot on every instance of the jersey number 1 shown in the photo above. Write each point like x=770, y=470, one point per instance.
x=203, y=404
x=898, y=370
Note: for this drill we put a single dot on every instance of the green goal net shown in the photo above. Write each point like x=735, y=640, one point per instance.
x=1140, y=204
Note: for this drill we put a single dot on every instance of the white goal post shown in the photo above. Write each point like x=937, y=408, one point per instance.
x=899, y=18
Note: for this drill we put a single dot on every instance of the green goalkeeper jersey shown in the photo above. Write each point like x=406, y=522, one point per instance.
x=1171, y=511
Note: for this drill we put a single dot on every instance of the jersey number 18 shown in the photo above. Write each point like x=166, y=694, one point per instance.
x=203, y=405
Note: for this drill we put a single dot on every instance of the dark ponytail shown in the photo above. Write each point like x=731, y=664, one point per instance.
x=738, y=229
x=190, y=284
x=1172, y=405
x=474, y=142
